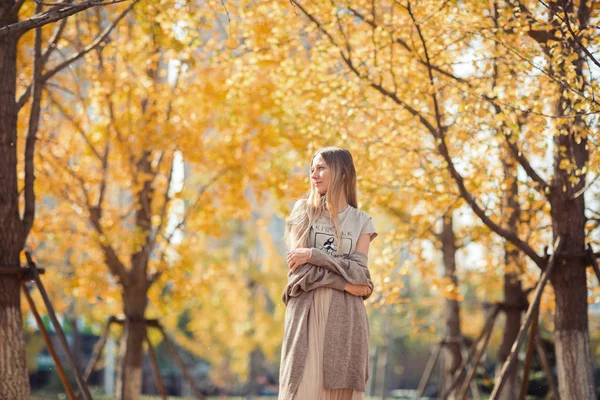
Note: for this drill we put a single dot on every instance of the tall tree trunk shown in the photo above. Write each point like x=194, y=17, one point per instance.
x=14, y=381
x=571, y=331
x=451, y=354
x=135, y=292
x=514, y=298
x=131, y=356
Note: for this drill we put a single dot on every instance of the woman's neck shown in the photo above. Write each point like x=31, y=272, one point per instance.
x=341, y=205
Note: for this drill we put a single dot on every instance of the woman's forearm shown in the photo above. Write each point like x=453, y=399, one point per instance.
x=352, y=267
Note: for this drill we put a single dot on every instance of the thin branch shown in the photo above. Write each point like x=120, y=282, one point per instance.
x=54, y=41
x=164, y=208
x=114, y=264
x=74, y=57
x=585, y=188
x=48, y=4
x=203, y=189
x=566, y=20
x=32, y=128
x=50, y=16
x=77, y=126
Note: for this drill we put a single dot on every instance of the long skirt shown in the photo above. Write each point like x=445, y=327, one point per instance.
x=311, y=384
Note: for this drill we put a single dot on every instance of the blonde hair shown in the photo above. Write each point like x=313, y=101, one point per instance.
x=312, y=205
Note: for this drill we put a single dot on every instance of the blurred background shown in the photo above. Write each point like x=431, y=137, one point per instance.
x=151, y=151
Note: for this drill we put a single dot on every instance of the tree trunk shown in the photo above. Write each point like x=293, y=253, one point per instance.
x=514, y=298
x=129, y=381
x=14, y=383
x=374, y=368
x=257, y=369
x=451, y=355
x=76, y=342
x=571, y=331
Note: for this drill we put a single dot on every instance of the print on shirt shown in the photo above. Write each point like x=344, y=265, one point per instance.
x=327, y=242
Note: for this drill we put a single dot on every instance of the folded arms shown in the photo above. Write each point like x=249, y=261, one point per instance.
x=323, y=270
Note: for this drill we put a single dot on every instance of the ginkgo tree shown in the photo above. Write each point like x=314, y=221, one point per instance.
x=150, y=109
x=30, y=34
x=403, y=51
x=114, y=132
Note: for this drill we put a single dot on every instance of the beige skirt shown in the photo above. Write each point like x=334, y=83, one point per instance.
x=311, y=384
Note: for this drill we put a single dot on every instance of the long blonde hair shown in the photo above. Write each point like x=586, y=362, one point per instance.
x=312, y=205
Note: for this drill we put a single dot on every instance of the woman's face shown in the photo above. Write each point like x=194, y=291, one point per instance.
x=319, y=174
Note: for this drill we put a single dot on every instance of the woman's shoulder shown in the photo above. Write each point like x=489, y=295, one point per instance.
x=299, y=204
x=361, y=214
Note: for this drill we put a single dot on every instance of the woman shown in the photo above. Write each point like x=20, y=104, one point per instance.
x=326, y=222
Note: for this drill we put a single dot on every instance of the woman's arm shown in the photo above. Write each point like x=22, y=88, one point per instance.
x=300, y=256
x=362, y=245
x=336, y=281
x=352, y=267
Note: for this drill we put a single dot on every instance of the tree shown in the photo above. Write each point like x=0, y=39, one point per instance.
x=167, y=151
x=18, y=23
x=369, y=40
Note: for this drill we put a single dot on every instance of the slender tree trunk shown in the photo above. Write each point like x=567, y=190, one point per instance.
x=514, y=298
x=389, y=341
x=451, y=355
x=135, y=293
x=14, y=381
x=129, y=381
x=374, y=368
x=76, y=344
x=257, y=369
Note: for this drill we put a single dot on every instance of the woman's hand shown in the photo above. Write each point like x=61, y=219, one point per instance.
x=298, y=257
x=357, y=290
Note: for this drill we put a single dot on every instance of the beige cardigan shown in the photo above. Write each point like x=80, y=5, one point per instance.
x=346, y=357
